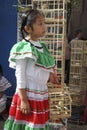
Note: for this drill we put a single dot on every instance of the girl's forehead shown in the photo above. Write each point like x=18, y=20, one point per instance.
x=40, y=18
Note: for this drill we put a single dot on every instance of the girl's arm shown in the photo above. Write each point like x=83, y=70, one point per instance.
x=25, y=106
x=21, y=85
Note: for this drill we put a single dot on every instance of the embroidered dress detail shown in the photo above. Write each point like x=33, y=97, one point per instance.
x=38, y=117
x=39, y=47
x=25, y=49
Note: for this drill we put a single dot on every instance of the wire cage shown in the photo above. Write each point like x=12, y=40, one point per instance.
x=78, y=71
x=60, y=104
x=78, y=65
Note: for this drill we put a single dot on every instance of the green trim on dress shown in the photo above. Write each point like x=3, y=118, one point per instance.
x=10, y=125
x=24, y=49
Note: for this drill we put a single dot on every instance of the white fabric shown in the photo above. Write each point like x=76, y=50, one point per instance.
x=33, y=77
x=13, y=64
x=37, y=43
x=4, y=84
x=3, y=103
x=20, y=73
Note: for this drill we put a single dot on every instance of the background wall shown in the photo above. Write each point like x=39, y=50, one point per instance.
x=8, y=36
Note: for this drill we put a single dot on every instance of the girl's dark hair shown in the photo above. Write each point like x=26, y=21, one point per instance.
x=1, y=70
x=29, y=18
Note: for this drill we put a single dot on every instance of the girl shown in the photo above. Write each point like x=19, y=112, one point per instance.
x=4, y=84
x=34, y=66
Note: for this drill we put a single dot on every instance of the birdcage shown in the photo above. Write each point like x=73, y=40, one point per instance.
x=78, y=65
x=78, y=71
x=60, y=104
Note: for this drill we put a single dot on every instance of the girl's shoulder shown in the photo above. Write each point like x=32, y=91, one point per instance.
x=24, y=49
x=20, y=50
x=21, y=46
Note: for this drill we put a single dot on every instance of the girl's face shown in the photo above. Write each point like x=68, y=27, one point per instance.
x=39, y=29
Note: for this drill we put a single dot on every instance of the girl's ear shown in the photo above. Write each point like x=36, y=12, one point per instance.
x=27, y=29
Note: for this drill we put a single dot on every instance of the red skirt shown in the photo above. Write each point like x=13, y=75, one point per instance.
x=38, y=117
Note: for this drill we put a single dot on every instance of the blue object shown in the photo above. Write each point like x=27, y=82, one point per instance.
x=8, y=36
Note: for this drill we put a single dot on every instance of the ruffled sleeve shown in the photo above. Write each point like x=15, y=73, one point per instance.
x=24, y=49
x=20, y=50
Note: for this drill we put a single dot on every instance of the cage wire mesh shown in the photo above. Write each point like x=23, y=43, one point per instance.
x=78, y=71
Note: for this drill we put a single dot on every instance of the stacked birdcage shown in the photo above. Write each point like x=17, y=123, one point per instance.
x=55, y=12
x=78, y=71
x=60, y=104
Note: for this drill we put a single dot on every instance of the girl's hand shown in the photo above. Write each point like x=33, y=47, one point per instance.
x=54, y=77
x=25, y=107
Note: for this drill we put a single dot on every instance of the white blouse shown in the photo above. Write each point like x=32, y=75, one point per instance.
x=31, y=76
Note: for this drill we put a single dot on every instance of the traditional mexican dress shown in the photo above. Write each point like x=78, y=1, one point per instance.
x=4, y=85
x=33, y=65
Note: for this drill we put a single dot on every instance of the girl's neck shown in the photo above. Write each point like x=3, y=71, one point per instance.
x=32, y=38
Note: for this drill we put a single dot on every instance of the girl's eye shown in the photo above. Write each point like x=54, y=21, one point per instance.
x=42, y=23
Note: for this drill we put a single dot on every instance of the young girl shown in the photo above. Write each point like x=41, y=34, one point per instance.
x=34, y=67
x=4, y=84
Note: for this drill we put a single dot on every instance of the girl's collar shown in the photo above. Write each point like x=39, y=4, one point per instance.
x=32, y=43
